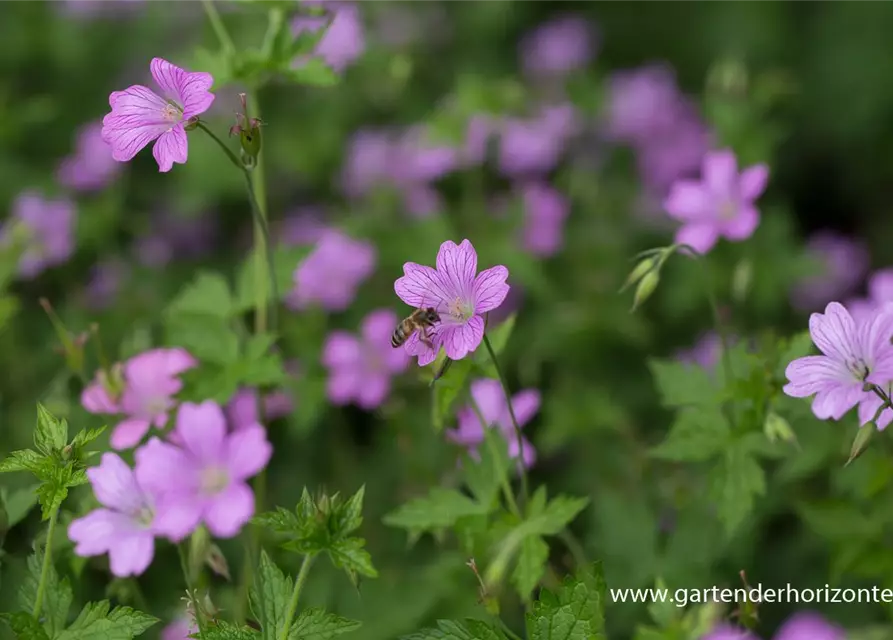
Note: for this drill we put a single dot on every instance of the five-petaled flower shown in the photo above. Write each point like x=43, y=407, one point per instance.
x=139, y=115
x=460, y=296
x=721, y=204
x=123, y=526
x=205, y=478
x=855, y=355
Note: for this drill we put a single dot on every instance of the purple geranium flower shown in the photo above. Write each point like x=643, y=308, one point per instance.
x=844, y=263
x=458, y=293
x=45, y=229
x=205, y=479
x=559, y=46
x=144, y=394
x=180, y=629
x=241, y=410
x=880, y=292
x=853, y=354
x=123, y=527
x=705, y=353
x=801, y=626
x=489, y=399
x=139, y=115
x=332, y=272
x=721, y=204
x=642, y=103
x=91, y=167
x=533, y=146
x=343, y=41
x=361, y=367
x=545, y=211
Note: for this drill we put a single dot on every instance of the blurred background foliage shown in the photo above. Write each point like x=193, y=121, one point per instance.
x=805, y=87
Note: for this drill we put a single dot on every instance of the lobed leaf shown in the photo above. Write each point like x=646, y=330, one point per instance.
x=697, y=434
x=455, y=630
x=317, y=624
x=441, y=508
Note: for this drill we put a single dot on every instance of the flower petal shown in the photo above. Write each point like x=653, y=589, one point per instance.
x=752, y=182
x=115, y=486
x=720, y=172
x=342, y=350
x=457, y=266
x=699, y=236
x=128, y=433
x=811, y=374
x=247, y=452
x=835, y=401
x=230, y=510
x=525, y=404
x=490, y=400
x=95, y=533
x=131, y=554
x=688, y=201
x=809, y=626
x=426, y=354
x=834, y=333
x=377, y=328
x=490, y=289
x=135, y=121
x=373, y=391
x=171, y=147
x=203, y=430
x=420, y=286
x=162, y=468
x=742, y=225
x=460, y=340
x=189, y=90
x=343, y=384
x=177, y=515
x=96, y=399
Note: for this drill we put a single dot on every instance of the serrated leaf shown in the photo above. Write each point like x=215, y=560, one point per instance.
x=441, y=508
x=280, y=521
x=531, y=566
x=208, y=337
x=22, y=460
x=349, y=554
x=57, y=594
x=697, y=434
x=797, y=346
x=683, y=385
x=97, y=622
x=207, y=295
x=455, y=630
x=223, y=630
x=349, y=515
x=735, y=482
x=51, y=434
x=86, y=436
x=24, y=626
x=447, y=391
x=269, y=597
x=316, y=624
x=558, y=513
x=575, y=612
x=18, y=504
x=485, y=476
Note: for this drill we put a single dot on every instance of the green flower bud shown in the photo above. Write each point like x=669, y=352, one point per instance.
x=646, y=287
x=860, y=442
x=777, y=428
x=742, y=278
x=641, y=270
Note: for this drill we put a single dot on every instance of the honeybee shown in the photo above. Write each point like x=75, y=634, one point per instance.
x=419, y=320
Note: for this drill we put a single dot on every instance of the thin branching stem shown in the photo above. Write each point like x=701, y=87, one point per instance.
x=504, y=483
x=47, y=563
x=295, y=596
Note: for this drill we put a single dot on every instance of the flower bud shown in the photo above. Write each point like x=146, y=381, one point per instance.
x=642, y=269
x=777, y=428
x=216, y=561
x=860, y=442
x=646, y=287
x=742, y=278
x=191, y=124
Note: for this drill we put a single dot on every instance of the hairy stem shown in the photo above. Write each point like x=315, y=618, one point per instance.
x=295, y=595
x=190, y=590
x=504, y=483
x=522, y=470
x=47, y=562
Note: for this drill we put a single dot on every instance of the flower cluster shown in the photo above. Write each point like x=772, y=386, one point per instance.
x=172, y=489
x=843, y=263
x=42, y=229
x=331, y=274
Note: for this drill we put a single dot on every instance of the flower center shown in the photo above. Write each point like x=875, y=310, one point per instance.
x=460, y=310
x=214, y=480
x=144, y=516
x=155, y=406
x=172, y=113
x=728, y=210
x=858, y=368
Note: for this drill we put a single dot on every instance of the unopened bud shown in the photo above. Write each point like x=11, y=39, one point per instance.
x=215, y=559
x=742, y=278
x=642, y=269
x=191, y=124
x=777, y=428
x=860, y=442
x=646, y=287
x=728, y=77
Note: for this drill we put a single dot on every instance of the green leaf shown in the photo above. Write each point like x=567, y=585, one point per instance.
x=258, y=366
x=23, y=460
x=797, y=346
x=575, y=612
x=316, y=624
x=683, y=385
x=57, y=594
x=97, y=622
x=51, y=433
x=281, y=521
x=25, y=626
x=269, y=597
x=531, y=566
x=447, y=391
x=735, y=482
x=349, y=554
x=484, y=477
x=315, y=72
x=556, y=516
x=349, y=516
x=56, y=479
x=285, y=261
x=454, y=630
x=697, y=434
x=206, y=336
x=207, y=295
x=440, y=509
x=223, y=630
x=18, y=504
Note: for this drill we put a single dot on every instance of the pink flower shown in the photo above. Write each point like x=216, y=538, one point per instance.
x=843, y=263
x=343, y=41
x=545, y=211
x=642, y=103
x=123, y=527
x=361, y=367
x=331, y=274
x=205, y=480
x=489, y=399
x=150, y=381
x=853, y=354
x=241, y=410
x=139, y=115
x=534, y=146
x=721, y=204
x=880, y=292
x=800, y=626
x=180, y=629
x=91, y=167
x=106, y=280
x=458, y=293
x=705, y=353
x=559, y=46
x=44, y=227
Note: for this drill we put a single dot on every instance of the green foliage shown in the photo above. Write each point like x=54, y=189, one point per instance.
x=223, y=630
x=575, y=612
x=325, y=525
x=99, y=621
x=454, y=630
x=57, y=595
x=317, y=624
x=439, y=510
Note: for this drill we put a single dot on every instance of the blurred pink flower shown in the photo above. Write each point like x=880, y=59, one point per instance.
x=180, y=629
x=558, y=46
x=706, y=351
x=800, y=626
x=45, y=229
x=545, y=211
x=91, y=167
x=721, y=204
x=533, y=146
x=361, y=367
x=844, y=262
x=106, y=279
x=241, y=410
x=301, y=227
x=343, y=42
x=140, y=116
x=333, y=271
x=173, y=236
x=880, y=291
x=89, y=9
x=489, y=399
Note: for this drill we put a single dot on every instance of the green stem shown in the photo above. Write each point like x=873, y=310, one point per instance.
x=295, y=595
x=226, y=42
x=190, y=590
x=504, y=483
x=508, y=400
x=47, y=562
